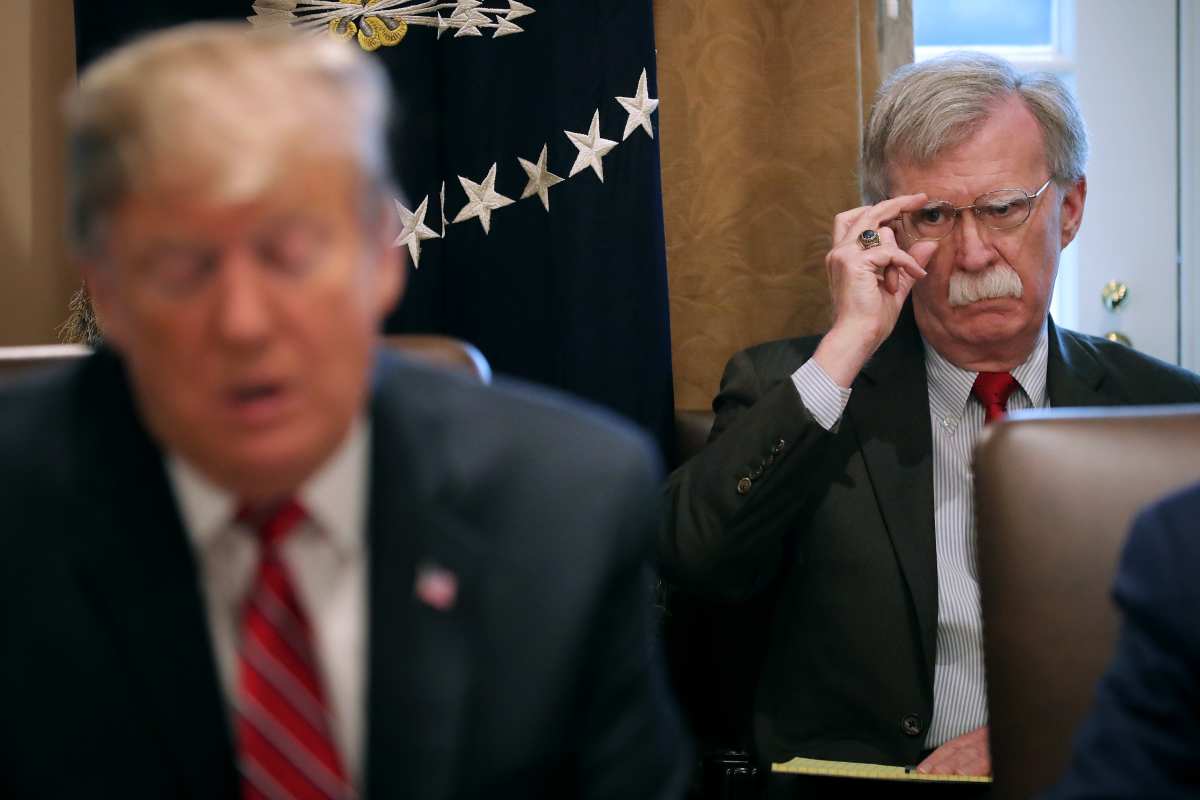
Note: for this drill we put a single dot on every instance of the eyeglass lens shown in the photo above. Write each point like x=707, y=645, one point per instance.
x=999, y=210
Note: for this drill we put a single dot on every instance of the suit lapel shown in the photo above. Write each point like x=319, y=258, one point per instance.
x=420, y=654
x=134, y=560
x=889, y=410
x=1073, y=375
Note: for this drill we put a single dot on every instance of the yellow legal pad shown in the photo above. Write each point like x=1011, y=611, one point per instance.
x=879, y=772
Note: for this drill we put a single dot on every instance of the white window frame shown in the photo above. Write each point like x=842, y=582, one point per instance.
x=1057, y=57
x=1189, y=184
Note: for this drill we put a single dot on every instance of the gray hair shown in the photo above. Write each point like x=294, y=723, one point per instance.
x=222, y=108
x=922, y=110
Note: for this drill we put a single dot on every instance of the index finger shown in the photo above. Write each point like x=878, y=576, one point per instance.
x=891, y=208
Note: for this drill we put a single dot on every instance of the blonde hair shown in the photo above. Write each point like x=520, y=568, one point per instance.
x=220, y=108
x=923, y=110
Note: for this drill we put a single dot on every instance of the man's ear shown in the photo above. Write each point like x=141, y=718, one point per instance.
x=391, y=267
x=99, y=281
x=1071, y=211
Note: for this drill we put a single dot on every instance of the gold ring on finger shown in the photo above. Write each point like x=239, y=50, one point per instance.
x=868, y=239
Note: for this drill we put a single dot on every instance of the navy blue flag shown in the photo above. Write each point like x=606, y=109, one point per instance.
x=528, y=154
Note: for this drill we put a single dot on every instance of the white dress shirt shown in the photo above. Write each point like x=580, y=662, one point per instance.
x=959, y=689
x=326, y=561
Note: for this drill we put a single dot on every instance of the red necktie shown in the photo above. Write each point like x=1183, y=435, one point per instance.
x=992, y=389
x=285, y=745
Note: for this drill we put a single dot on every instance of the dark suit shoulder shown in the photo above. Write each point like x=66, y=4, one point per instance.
x=41, y=417
x=511, y=449
x=514, y=414
x=778, y=358
x=48, y=466
x=35, y=406
x=1134, y=377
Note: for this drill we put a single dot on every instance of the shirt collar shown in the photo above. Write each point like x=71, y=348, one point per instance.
x=334, y=497
x=950, y=385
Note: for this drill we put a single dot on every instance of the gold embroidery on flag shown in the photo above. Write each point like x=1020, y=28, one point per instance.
x=371, y=31
x=384, y=23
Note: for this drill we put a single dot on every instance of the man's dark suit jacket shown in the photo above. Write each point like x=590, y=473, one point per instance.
x=1142, y=738
x=824, y=570
x=541, y=681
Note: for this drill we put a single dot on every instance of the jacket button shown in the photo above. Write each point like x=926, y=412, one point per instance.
x=744, y=485
x=778, y=448
x=911, y=725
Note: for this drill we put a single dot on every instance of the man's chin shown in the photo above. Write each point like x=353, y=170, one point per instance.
x=261, y=470
x=989, y=322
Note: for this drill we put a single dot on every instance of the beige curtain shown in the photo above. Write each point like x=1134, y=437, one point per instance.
x=37, y=64
x=761, y=119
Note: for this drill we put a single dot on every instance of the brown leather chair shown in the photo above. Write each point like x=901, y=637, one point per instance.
x=18, y=360
x=443, y=350
x=1056, y=492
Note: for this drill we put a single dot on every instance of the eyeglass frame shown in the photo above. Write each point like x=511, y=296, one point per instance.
x=974, y=206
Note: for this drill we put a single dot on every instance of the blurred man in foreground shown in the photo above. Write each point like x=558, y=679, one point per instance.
x=247, y=555
x=837, y=481
x=1142, y=738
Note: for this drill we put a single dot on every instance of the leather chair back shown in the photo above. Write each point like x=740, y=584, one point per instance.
x=1056, y=492
x=443, y=350
x=15, y=361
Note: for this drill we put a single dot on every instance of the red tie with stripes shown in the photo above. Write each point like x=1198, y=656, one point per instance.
x=993, y=390
x=285, y=745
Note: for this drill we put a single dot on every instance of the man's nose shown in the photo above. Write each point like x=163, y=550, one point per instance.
x=972, y=242
x=243, y=308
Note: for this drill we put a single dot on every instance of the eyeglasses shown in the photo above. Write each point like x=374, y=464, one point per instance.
x=287, y=247
x=1001, y=210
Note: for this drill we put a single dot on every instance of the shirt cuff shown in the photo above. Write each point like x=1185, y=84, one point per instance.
x=823, y=398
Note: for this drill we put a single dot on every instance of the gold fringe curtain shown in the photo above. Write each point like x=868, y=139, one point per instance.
x=761, y=119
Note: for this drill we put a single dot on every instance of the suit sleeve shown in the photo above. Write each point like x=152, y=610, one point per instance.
x=729, y=509
x=633, y=740
x=1140, y=737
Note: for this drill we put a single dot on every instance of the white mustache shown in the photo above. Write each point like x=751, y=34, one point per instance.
x=995, y=282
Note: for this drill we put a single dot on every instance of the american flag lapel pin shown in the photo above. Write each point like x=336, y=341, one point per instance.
x=436, y=586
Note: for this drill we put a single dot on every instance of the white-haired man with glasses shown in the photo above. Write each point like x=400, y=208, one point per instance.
x=836, y=486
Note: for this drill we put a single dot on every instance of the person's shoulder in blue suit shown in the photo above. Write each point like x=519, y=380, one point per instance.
x=1142, y=736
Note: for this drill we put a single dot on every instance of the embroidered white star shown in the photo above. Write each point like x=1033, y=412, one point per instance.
x=465, y=14
x=505, y=27
x=592, y=148
x=442, y=209
x=640, y=107
x=540, y=179
x=482, y=200
x=517, y=10
x=413, y=230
